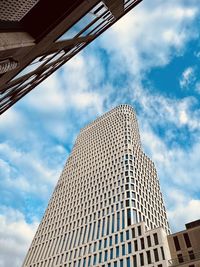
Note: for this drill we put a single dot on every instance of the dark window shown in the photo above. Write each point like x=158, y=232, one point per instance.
x=133, y=233
x=115, y=264
x=180, y=258
x=121, y=263
x=136, y=245
x=141, y=259
x=139, y=230
x=187, y=240
x=142, y=242
x=134, y=261
x=129, y=247
x=156, y=254
x=149, y=241
x=162, y=252
x=176, y=243
x=123, y=250
x=148, y=256
x=129, y=217
x=191, y=255
x=117, y=251
x=159, y=265
x=155, y=238
x=127, y=235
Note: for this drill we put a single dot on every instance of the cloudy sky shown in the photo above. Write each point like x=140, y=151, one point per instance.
x=149, y=59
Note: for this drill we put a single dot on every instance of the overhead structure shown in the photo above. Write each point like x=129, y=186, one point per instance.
x=39, y=36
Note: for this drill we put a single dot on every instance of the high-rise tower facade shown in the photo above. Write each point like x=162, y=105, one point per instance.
x=107, y=208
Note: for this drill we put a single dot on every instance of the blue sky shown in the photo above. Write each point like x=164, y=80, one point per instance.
x=149, y=59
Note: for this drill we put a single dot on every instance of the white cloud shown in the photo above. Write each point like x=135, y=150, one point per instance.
x=188, y=76
x=184, y=210
x=15, y=237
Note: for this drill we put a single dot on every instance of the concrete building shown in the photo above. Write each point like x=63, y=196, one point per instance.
x=107, y=208
x=39, y=36
x=185, y=246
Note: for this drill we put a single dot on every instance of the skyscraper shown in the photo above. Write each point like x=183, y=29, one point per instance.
x=107, y=208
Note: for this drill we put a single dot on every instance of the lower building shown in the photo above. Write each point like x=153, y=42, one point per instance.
x=185, y=246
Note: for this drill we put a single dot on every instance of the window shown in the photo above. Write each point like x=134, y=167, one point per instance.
x=128, y=263
x=111, y=253
x=191, y=255
x=117, y=251
x=100, y=257
x=133, y=233
x=187, y=240
x=95, y=259
x=139, y=230
x=155, y=236
x=106, y=255
x=176, y=243
x=121, y=237
x=128, y=217
x=162, y=252
x=123, y=250
x=121, y=263
x=129, y=247
x=156, y=254
x=134, y=261
x=180, y=258
x=141, y=259
x=136, y=245
x=149, y=241
x=116, y=239
x=127, y=235
x=142, y=242
x=148, y=257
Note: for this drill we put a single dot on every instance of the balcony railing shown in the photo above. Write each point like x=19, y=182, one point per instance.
x=184, y=259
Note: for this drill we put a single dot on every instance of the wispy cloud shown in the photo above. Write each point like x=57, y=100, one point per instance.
x=187, y=78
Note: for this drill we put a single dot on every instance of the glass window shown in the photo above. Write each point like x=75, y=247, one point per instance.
x=100, y=257
x=176, y=243
x=142, y=242
x=116, y=239
x=123, y=220
x=149, y=241
x=123, y=250
x=121, y=237
x=141, y=259
x=127, y=235
x=95, y=259
x=113, y=223
x=110, y=241
x=162, y=252
x=136, y=245
x=148, y=257
x=139, y=230
x=115, y=263
x=128, y=263
x=134, y=261
x=128, y=217
x=180, y=258
x=121, y=263
x=187, y=240
x=105, y=243
x=118, y=221
x=156, y=254
x=129, y=247
x=191, y=255
x=133, y=232
x=155, y=236
x=117, y=251
x=111, y=253
x=105, y=255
